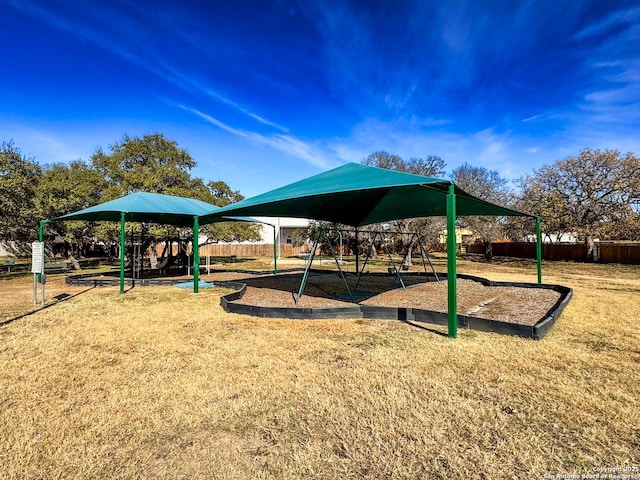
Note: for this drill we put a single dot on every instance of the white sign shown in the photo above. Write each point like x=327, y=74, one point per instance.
x=37, y=257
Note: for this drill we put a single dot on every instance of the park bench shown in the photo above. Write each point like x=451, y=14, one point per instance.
x=8, y=264
x=61, y=267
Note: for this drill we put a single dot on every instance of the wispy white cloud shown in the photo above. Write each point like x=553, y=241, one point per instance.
x=613, y=19
x=214, y=121
x=617, y=99
x=511, y=154
x=614, y=95
x=63, y=22
x=286, y=144
x=246, y=112
x=183, y=80
x=127, y=39
x=46, y=146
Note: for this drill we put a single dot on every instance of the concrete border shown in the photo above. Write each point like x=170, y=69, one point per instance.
x=229, y=303
x=537, y=332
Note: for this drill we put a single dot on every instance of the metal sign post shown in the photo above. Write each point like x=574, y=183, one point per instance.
x=37, y=268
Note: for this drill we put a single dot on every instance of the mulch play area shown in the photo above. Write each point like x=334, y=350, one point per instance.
x=513, y=304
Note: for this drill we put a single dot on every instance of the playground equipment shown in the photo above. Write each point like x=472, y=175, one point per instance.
x=322, y=232
x=394, y=269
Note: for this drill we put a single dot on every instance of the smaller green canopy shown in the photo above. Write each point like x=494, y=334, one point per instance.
x=356, y=195
x=146, y=207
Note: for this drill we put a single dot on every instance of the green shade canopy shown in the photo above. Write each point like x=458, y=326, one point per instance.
x=356, y=195
x=153, y=208
x=146, y=207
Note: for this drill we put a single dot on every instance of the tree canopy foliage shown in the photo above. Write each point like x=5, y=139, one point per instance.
x=596, y=194
x=151, y=163
x=19, y=178
x=430, y=166
x=490, y=186
x=427, y=229
x=157, y=165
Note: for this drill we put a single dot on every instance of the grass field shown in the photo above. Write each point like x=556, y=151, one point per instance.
x=162, y=383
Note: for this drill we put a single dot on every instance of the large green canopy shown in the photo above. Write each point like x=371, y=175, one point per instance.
x=146, y=207
x=153, y=208
x=355, y=195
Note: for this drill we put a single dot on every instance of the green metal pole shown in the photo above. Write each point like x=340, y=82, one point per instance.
x=41, y=229
x=275, y=255
x=451, y=263
x=539, y=249
x=40, y=239
x=121, y=252
x=196, y=254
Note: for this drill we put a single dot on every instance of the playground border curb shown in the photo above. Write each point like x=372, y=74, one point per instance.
x=408, y=314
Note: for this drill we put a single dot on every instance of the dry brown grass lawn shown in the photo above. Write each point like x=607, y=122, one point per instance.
x=162, y=383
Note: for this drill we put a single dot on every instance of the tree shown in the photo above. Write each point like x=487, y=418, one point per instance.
x=431, y=166
x=220, y=194
x=149, y=164
x=426, y=228
x=19, y=177
x=157, y=165
x=487, y=185
x=68, y=188
x=596, y=193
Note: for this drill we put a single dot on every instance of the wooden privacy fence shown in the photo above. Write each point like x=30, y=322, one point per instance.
x=239, y=249
x=618, y=252
x=604, y=252
x=550, y=251
x=249, y=250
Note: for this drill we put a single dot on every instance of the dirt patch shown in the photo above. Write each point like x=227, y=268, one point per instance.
x=524, y=306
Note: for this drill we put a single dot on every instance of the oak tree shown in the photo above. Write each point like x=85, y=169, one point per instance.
x=487, y=185
x=426, y=228
x=595, y=194
x=19, y=178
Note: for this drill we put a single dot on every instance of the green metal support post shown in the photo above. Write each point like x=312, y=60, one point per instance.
x=451, y=264
x=40, y=239
x=539, y=250
x=41, y=229
x=275, y=253
x=196, y=254
x=122, y=252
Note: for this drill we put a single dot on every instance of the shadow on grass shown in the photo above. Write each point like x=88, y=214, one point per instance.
x=63, y=297
x=427, y=329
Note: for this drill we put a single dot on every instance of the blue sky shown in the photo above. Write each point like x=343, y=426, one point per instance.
x=263, y=93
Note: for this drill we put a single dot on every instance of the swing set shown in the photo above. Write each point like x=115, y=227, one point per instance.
x=322, y=235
